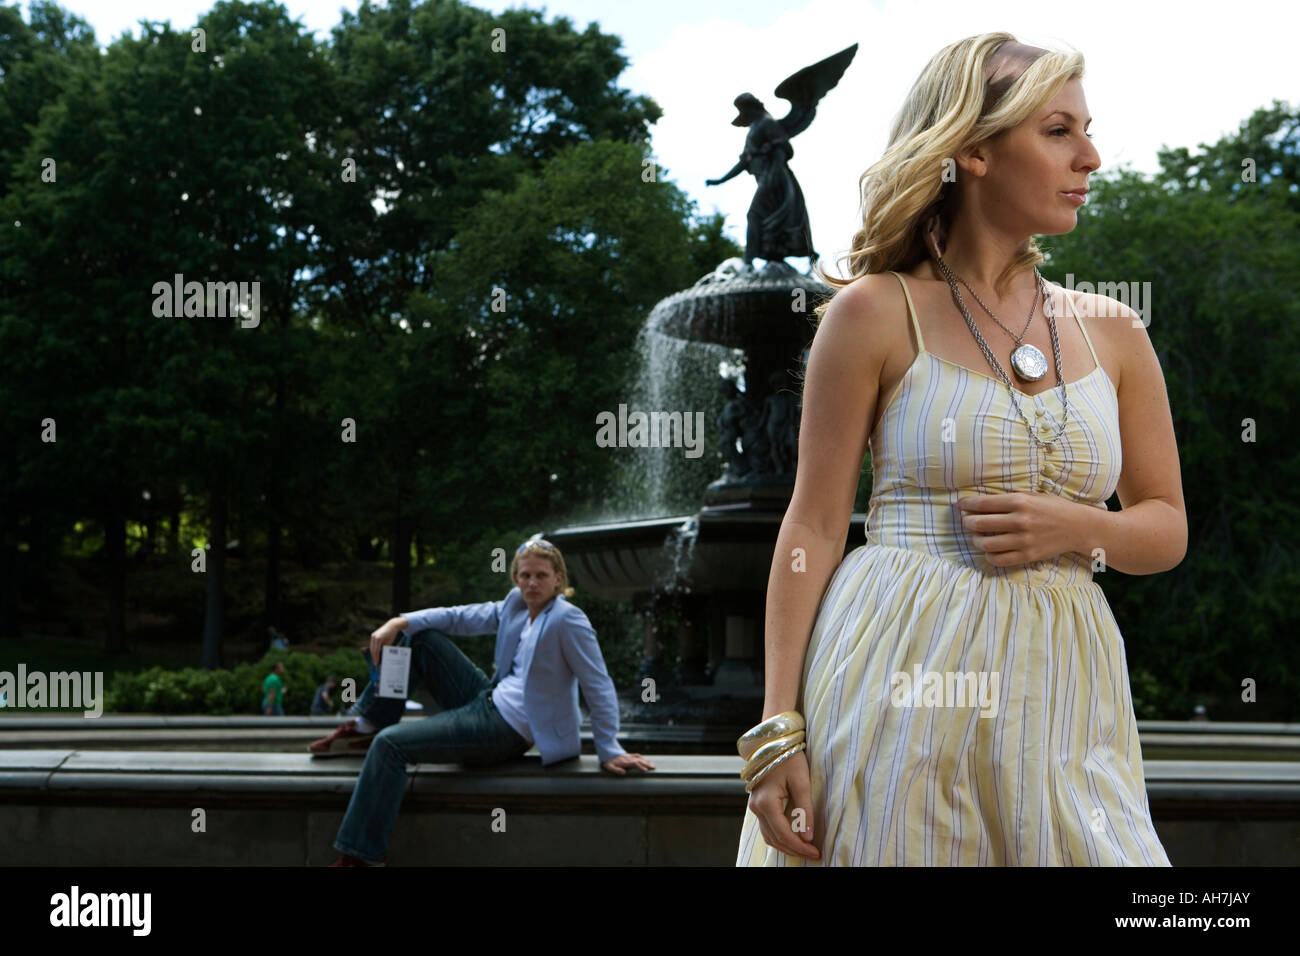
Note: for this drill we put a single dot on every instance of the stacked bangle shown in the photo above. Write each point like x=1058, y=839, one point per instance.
x=765, y=754
x=770, y=743
x=778, y=726
x=749, y=787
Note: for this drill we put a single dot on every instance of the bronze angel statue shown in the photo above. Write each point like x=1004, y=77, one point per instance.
x=778, y=219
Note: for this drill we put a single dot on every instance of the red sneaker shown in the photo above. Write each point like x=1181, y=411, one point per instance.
x=346, y=860
x=346, y=741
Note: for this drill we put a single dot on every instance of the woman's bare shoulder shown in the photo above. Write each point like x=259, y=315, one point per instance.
x=839, y=401
x=1115, y=329
x=867, y=306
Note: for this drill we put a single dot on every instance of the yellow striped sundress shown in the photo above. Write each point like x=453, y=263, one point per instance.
x=1044, y=767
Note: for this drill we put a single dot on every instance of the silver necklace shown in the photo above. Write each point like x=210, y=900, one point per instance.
x=1027, y=361
x=1048, y=311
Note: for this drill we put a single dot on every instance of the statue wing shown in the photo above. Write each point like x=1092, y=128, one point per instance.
x=805, y=89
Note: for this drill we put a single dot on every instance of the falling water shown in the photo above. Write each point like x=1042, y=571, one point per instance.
x=675, y=375
x=687, y=347
x=680, y=549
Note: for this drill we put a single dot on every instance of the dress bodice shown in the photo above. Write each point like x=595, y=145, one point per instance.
x=948, y=431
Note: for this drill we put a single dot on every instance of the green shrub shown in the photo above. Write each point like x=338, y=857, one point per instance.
x=193, y=690
x=1150, y=699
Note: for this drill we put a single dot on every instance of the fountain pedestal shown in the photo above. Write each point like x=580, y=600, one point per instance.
x=701, y=579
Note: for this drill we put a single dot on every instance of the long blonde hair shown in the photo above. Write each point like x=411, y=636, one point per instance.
x=943, y=114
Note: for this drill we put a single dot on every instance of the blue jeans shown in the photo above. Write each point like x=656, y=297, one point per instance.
x=469, y=731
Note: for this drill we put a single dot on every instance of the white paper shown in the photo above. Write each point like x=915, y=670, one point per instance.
x=394, y=669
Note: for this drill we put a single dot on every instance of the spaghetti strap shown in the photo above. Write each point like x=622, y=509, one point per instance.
x=1082, y=327
x=911, y=311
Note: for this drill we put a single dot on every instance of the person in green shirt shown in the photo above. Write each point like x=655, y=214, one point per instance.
x=273, y=691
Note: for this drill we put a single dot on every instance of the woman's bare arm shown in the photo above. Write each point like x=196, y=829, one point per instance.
x=839, y=403
x=1150, y=534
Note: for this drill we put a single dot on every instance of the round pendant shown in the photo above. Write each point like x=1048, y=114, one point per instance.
x=1029, y=363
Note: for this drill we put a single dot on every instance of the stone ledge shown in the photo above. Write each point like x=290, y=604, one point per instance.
x=112, y=808
x=679, y=780
x=285, y=734
x=118, y=777
x=28, y=720
x=1160, y=740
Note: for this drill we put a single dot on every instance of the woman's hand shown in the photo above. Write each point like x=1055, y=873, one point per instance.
x=788, y=829
x=386, y=633
x=1021, y=527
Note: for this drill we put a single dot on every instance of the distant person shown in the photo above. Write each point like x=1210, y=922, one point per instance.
x=323, y=703
x=545, y=650
x=273, y=691
x=278, y=640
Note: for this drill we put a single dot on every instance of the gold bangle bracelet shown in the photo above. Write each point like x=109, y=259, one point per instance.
x=769, y=752
x=749, y=787
x=778, y=726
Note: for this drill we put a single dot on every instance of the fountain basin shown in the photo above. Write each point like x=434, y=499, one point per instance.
x=717, y=550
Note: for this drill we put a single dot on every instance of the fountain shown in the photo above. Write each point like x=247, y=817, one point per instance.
x=699, y=580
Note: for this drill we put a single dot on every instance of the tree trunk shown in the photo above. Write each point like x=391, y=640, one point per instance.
x=273, y=532
x=213, y=612
x=274, y=520
x=115, y=545
x=174, y=529
x=401, y=553
x=39, y=564
x=366, y=548
x=9, y=623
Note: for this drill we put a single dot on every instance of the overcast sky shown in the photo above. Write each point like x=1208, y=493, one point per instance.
x=1155, y=74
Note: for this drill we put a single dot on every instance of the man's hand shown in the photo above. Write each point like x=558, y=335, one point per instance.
x=386, y=633
x=625, y=762
x=1022, y=527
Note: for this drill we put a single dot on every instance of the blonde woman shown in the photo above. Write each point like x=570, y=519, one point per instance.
x=546, y=649
x=960, y=675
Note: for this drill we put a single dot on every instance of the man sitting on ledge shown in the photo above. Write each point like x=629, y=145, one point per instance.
x=545, y=649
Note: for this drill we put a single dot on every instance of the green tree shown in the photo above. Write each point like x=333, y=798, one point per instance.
x=545, y=288
x=158, y=149
x=38, y=60
x=436, y=104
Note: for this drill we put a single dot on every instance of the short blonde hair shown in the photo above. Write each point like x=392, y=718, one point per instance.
x=942, y=115
x=540, y=547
